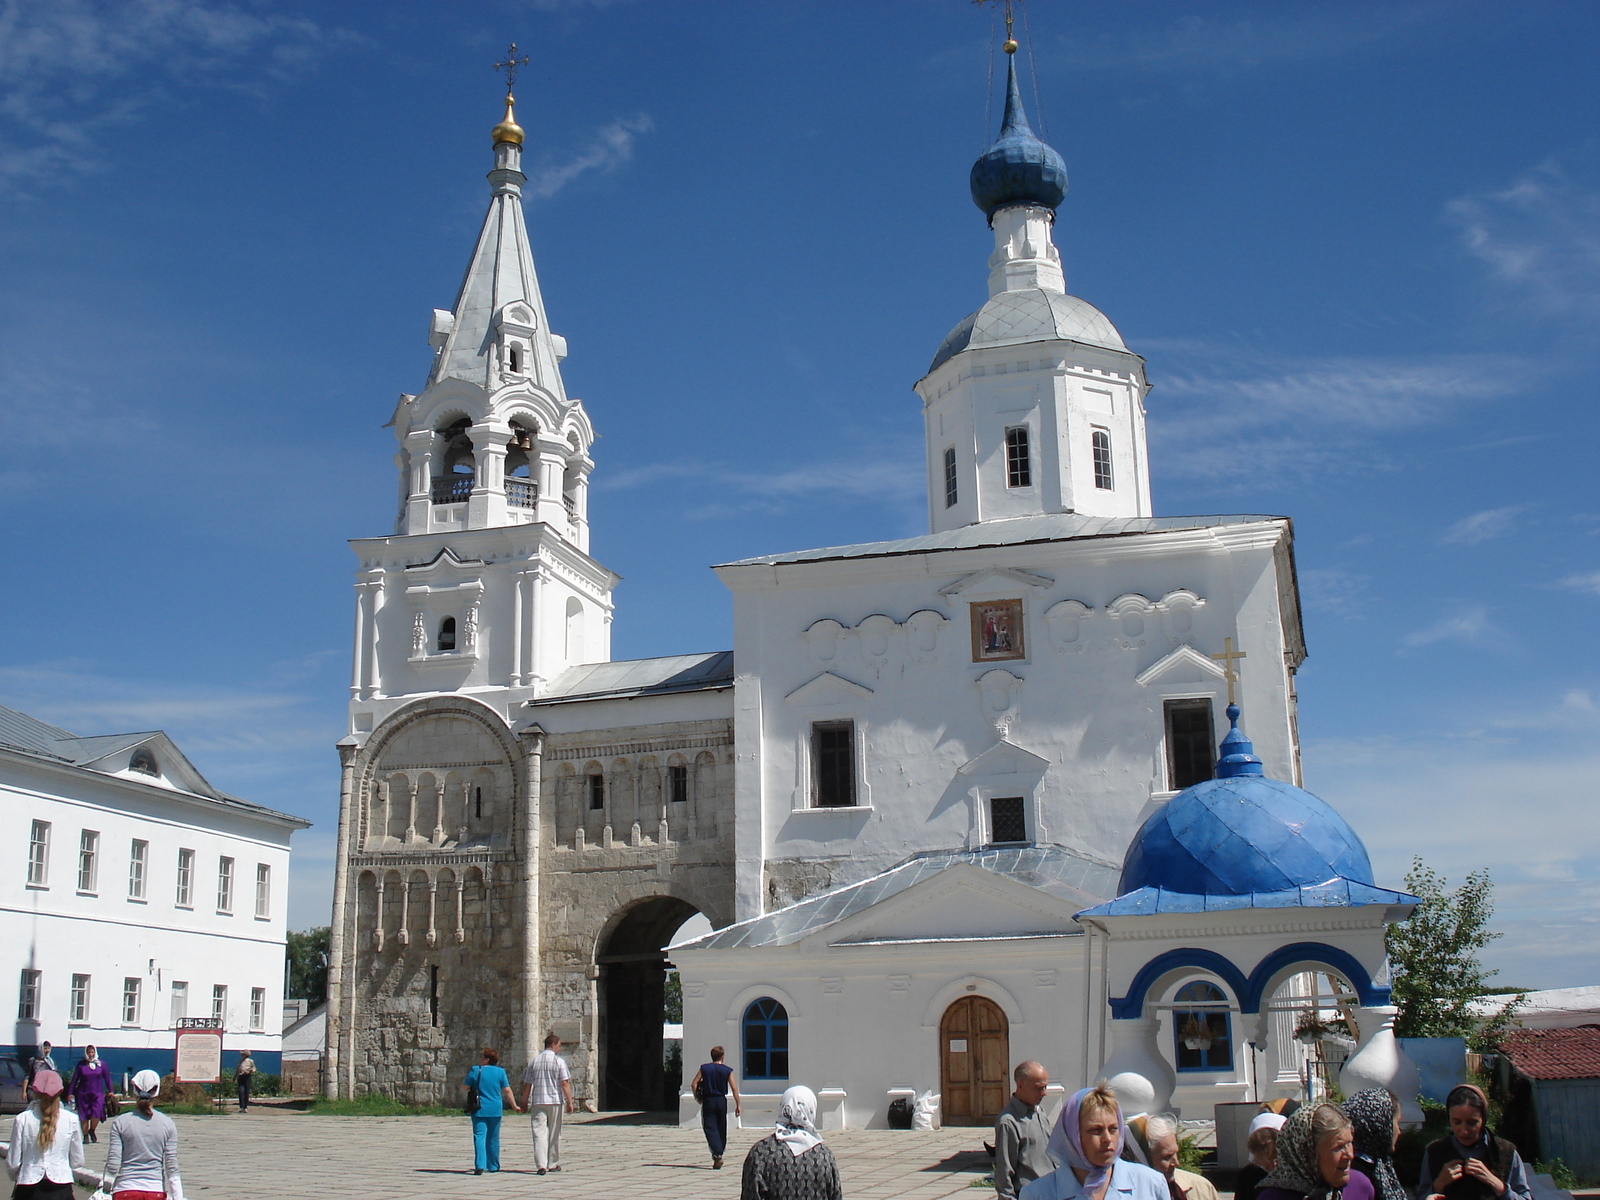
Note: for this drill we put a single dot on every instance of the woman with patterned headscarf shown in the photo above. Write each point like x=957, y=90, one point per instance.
x=1087, y=1144
x=1375, y=1119
x=1316, y=1151
x=791, y=1162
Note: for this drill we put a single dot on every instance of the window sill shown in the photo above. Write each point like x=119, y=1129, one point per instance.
x=439, y=658
x=27, y=1020
x=137, y=900
x=832, y=808
x=223, y=912
x=89, y=895
x=38, y=887
x=77, y=1024
x=259, y=917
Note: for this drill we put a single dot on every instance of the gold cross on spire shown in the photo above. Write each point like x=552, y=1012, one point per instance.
x=1011, y=43
x=1227, y=658
x=510, y=66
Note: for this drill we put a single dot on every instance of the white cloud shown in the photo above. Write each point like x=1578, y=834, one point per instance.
x=1589, y=581
x=1480, y=527
x=1470, y=625
x=1333, y=591
x=610, y=148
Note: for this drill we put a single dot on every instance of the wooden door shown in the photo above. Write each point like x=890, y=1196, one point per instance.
x=974, y=1061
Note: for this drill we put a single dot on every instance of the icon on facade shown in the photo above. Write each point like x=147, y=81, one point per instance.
x=996, y=630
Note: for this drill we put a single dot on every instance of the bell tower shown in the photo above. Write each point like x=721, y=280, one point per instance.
x=486, y=586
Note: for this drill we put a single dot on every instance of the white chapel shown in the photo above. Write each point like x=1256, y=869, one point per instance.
x=951, y=801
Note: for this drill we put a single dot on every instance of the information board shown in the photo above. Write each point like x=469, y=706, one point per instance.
x=199, y=1056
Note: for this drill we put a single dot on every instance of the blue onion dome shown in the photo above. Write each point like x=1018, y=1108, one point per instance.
x=1242, y=833
x=1018, y=168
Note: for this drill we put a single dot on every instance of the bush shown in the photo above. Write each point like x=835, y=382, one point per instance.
x=1565, y=1178
x=262, y=1085
x=376, y=1104
x=1189, y=1153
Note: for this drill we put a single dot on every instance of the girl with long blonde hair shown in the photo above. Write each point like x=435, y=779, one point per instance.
x=46, y=1144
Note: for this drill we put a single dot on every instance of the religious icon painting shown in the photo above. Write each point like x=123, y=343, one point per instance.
x=996, y=630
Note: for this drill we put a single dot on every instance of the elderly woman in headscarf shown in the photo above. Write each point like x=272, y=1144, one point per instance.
x=1316, y=1156
x=791, y=1163
x=1087, y=1143
x=1375, y=1120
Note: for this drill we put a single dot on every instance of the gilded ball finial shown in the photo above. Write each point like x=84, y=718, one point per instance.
x=1010, y=45
x=508, y=130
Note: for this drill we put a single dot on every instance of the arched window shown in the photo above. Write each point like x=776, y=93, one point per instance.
x=1019, y=465
x=1101, y=441
x=459, y=467
x=1203, y=1036
x=144, y=762
x=766, y=1040
x=477, y=803
x=447, y=634
x=951, y=492
x=514, y=359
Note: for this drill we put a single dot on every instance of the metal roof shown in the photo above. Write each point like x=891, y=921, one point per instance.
x=1069, y=875
x=1025, y=315
x=1012, y=531
x=1332, y=893
x=641, y=677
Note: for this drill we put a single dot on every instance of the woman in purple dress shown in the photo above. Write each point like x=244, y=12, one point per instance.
x=91, y=1084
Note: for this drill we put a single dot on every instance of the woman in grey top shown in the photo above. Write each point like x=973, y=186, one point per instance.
x=791, y=1163
x=143, y=1158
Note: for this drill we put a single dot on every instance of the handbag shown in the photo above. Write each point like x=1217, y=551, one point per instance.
x=471, y=1105
x=700, y=1091
x=113, y=1105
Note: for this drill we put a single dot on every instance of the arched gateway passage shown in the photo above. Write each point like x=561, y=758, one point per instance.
x=632, y=995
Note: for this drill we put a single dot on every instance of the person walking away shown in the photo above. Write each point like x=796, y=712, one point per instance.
x=1261, y=1143
x=791, y=1162
x=1161, y=1141
x=1021, y=1133
x=489, y=1084
x=546, y=1090
x=710, y=1085
x=41, y=1061
x=46, y=1144
x=1375, y=1120
x=1472, y=1163
x=243, y=1075
x=89, y=1088
x=1316, y=1152
x=1087, y=1142
x=142, y=1160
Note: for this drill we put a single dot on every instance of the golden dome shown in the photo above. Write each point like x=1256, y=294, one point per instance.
x=508, y=130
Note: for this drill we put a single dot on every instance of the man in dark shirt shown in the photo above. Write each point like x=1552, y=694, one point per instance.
x=710, y=1086
x=1021, y=1133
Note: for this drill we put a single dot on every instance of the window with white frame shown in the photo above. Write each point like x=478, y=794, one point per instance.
x=88, y=860
x=39, y=854
x=1019, y=463
x=225, y=885
x=131, y=987
x=78, y=1014
x=219, y=1002
x=185, y=893
x=258, y=1009
x=180, y=1001
x=951, y=492
x=1008, y=820
x=1100, y=440
x=138, y=855
x=263, y=890
x=28, y=996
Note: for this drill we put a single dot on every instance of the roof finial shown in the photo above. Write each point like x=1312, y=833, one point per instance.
x=1238, y=755
x=508, y=130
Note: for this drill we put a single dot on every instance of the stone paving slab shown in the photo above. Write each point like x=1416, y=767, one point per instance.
x=267, y=1155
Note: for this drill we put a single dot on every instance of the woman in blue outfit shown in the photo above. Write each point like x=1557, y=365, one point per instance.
x=1087, y=1142
x=492, y=1087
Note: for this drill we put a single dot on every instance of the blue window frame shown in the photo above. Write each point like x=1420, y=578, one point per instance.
x=766, y=1040
x=1203, y=1036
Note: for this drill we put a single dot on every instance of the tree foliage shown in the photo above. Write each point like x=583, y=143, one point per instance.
x=672, y=1000
x=1434, y=959
x=307, y=955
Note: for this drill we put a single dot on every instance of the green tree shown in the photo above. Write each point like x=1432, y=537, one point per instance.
x=1434, y=959
x=307, y=957
x=672, y=1008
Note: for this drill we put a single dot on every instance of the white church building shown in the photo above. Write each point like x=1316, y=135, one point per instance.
x=952, y=801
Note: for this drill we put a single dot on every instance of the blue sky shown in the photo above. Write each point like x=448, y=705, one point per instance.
x=1358, y=244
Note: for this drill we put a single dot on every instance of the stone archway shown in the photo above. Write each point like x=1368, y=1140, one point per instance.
x=631, y=990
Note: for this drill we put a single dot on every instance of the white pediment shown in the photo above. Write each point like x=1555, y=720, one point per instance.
x=1005, y=758
x=962, y=901
x=1183, y=665
x=828, y=688
x=996, y=579
x=443, y=561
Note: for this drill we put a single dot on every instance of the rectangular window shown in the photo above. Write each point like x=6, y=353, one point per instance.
x=950, y=492
x=597, y=791
x=678, y=784
x=138, y=853
x=1019, y=467
x=39, y=854
x=185, y=892
x=258, y=1009
x=80, y=1000
x=28, y=996
x=1102, y=459
x=130, y=1000
x=1191, y=743
x=180, y=1001
x=1007, y=821
x=219, y=1002
x=833, y=762
x=225, y=885
x=263, y=890
x=88, y=860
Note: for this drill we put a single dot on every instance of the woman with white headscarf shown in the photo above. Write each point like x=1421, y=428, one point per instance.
x=791, y=1163
x=1087, y=1143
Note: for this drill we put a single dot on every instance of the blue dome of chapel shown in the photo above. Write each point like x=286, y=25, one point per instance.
x=1242, y=833
x=1018, y=168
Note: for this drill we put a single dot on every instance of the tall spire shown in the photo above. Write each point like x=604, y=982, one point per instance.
x=1018, y=168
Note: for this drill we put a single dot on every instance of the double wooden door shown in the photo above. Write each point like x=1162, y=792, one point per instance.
x=974, y=1061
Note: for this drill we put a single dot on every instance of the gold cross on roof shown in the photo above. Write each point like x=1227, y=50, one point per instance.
x=510, y=66
x=1227, y=658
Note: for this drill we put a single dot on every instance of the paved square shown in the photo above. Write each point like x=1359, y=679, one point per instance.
x=271, y=1154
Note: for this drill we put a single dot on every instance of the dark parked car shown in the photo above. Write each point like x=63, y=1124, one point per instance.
x=12, y=1081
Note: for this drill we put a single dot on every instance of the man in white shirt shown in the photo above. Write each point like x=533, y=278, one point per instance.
x=546, y=1091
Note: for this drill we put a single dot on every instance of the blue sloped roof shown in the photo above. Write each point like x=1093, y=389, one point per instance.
x=1331, y=893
